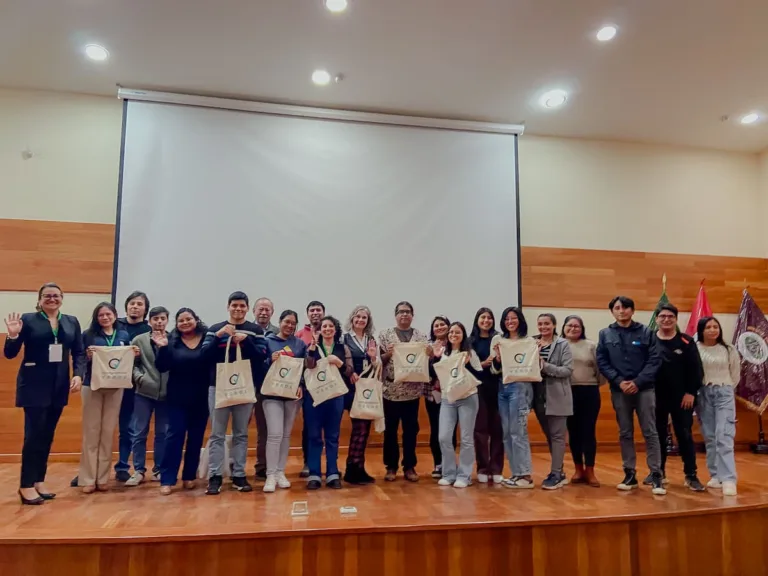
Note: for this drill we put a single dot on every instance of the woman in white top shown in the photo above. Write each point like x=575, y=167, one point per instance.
x=717, y=405
x=464, y=411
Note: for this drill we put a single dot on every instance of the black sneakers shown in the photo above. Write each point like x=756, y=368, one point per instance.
x=314, y=485
x=122, y=476
x=649, y=479
x=240, y=483
x=629, y=482
x=693, y=484
x=657, y=485
x=214, y=486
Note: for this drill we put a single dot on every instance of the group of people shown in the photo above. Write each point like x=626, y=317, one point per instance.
x=656, y=375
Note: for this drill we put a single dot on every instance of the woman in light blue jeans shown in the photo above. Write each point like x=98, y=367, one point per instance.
x=716, y=404
x=515, y=401
x=464, y=411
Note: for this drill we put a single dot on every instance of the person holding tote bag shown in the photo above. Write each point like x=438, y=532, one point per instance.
x=463, y=411
x=50, y=339
x=363, y=350
x=324, y=420
x=280, y=412
x=401, y=399
x=556, y=369
x=101, y=407
x=514, y=403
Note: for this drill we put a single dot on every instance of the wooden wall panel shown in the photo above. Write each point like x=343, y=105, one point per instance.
x=572, y=278
x=78, y=256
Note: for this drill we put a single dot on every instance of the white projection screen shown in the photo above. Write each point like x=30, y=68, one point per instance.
x=298, y=209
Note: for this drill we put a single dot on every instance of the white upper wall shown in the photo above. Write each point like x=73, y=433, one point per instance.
x=75, y=146
x=573, y=193
x=619, y=196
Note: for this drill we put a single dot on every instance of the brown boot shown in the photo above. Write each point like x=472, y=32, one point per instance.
x=589, y=473
x=578, y=477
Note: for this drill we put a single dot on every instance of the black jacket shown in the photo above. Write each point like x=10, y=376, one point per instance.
x=629, y=353
x=41, y=383
x=681, y=371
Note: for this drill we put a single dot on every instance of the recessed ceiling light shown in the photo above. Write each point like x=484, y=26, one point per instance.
x=606, y=33
x=96, y=52
x=553, y=98
x=321, y=77
x=336, y=6
x=750, y=118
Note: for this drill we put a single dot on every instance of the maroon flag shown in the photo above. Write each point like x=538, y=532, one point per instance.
x=700, y=310
x=751, y=340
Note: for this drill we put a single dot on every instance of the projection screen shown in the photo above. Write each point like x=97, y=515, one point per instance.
x=300, y=208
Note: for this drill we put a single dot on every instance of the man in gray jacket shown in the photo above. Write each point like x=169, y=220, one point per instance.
x=150, y=397
x=628, y=357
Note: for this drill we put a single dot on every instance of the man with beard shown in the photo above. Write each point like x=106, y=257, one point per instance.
x=315, y=313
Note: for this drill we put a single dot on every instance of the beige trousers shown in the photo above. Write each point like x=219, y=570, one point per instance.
x=101, y=411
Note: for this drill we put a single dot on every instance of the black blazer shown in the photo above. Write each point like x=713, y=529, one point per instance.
x=41, y=383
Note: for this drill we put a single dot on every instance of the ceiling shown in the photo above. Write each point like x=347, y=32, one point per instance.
x=671, y=74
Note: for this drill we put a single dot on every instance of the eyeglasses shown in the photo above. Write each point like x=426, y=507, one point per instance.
x=404, y=313
x=665, y=317
x=50, y=297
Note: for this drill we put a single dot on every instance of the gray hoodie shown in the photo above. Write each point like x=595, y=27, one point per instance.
x=150, y=383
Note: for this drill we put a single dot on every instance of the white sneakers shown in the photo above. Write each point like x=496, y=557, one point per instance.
x=461, y=484
x=282, y=481
x=136, y=479
x=444, y=482
x=274, y=480
x=729, y=488
x=498, y=478
x=482, y=478
x=270, y=484
x=715, y=484
x=455, y=483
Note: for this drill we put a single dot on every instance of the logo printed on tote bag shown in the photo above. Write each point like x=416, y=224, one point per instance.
x=114, y=363
x=455, y=373
x=367, y=393
x=233, y=379
x=410, y=358
x=321, y=376
x=519, y=358
x=284, y=372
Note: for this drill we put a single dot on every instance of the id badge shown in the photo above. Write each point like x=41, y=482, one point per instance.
x=55, y=353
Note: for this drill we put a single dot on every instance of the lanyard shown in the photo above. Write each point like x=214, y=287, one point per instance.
x=362, y=345
x=109, y=340
x=326, y=352
x=54, y=330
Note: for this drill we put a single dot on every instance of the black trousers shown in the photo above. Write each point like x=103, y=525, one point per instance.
x=581, y=426
x=682, y=422
x=540, y=409
x=39, y=428
x=433, y=411
x=406, y=412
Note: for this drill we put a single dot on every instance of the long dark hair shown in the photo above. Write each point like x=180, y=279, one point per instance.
x=475, y=335
x=522, y=328
x=703, y=324
x=200, y=328
x=336, y=325
x=432, y=326
x=465, y=345
x=96, y=328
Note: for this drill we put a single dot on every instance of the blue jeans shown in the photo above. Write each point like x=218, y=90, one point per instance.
x=125, y=441
x=716, y=407
x=514, y=406
x=464, y=412
x=142, y=414
x=323, y=424
x=184, y=423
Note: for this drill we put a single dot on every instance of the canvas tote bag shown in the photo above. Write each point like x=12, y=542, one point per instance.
x=456, y=382
x=520, y=360
x=283, y=377
x=111, y=367
x=368, y=403
x=234, y=381
x=324, y=381
x=410, y=362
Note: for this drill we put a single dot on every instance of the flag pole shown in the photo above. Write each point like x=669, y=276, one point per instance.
x=760, y=447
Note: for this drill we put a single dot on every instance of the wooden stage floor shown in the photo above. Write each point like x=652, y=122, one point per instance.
x=603, y=531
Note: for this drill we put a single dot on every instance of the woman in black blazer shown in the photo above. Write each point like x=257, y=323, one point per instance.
x=43, y=384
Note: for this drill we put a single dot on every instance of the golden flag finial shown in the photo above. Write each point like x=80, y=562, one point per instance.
x=664, y=282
